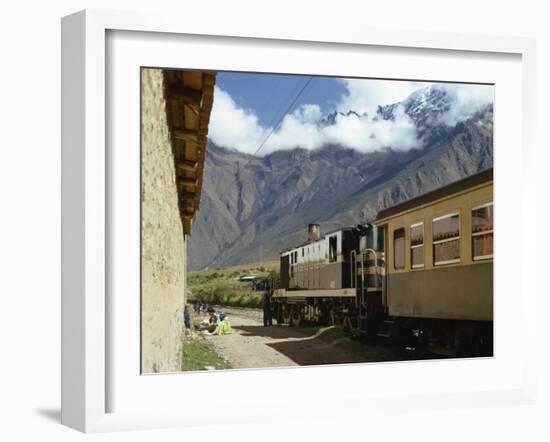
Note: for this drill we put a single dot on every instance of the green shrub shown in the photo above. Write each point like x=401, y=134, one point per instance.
x=223, y=295
x=275, y=278
x=218, y=287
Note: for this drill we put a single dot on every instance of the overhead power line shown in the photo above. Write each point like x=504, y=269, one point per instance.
x=288, y=109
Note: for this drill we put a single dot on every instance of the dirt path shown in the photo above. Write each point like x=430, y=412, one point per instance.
x=251, y=345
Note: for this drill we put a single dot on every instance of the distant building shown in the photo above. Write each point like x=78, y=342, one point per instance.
x=248, y=278
x=175, y=107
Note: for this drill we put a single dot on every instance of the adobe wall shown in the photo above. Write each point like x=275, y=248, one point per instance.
x=163, y=245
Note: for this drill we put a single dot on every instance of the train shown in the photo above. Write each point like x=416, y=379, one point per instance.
x=419, y=274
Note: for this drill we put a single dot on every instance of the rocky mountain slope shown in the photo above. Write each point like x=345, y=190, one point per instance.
x=253, y=207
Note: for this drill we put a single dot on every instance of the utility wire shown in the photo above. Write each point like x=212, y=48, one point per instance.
x=291, y=93
x=288, y=109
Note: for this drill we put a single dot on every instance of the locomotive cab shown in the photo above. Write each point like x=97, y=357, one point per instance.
x=335, y=279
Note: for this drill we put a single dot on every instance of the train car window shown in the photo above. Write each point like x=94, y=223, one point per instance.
x=399, y=249
x=482, y=232
x=446, y=239
x=379, y=238
x=417, y=245
x=332, y=248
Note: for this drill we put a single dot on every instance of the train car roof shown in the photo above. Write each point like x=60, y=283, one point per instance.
x=341, y=229
x=477, y=179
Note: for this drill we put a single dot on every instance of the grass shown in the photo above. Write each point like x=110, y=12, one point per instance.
x=198, y=353
x=226, y=296
x=223, y=286
x=371, y=352
x=203, y=278
x=338, y=338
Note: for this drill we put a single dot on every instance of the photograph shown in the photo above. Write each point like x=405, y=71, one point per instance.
x=302, y=220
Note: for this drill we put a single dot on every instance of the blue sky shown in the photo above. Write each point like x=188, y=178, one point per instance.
x=247, y=108
x=270, y=94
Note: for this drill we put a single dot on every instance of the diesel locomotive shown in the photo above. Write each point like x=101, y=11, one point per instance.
x=420, y=273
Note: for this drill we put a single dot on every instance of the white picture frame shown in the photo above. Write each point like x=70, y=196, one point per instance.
x=85, y=201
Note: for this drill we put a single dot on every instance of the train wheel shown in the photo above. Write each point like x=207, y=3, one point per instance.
x=286, y=315
x=346, y=324
x=296, y=317
x=279, y=313
x=331, y=318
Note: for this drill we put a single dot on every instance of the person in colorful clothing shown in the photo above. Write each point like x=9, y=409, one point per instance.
x=224, y=327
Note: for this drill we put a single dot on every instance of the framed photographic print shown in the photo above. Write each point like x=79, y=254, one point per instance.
x=302, y=220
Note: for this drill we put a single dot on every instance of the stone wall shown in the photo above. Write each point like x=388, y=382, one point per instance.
x=163, y=251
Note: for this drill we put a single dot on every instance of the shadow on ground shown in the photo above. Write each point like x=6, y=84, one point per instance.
x=329, y=345
x=315, y=351
x=276, y=332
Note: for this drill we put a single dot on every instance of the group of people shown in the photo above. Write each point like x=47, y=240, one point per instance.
x=199, y=306
x=215, y=324
x=218, y=323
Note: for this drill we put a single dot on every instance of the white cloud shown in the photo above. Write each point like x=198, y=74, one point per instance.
x=298, y=129
x=366, y=95
x=308, y=113
x=237, y=128
x=233, y=127
x=363, y=133
x=465, y=100
x=368, y=134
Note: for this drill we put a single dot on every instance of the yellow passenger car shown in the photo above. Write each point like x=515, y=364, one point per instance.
x=439, y=261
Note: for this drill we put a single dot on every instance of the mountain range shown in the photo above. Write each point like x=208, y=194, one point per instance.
x=252, y=207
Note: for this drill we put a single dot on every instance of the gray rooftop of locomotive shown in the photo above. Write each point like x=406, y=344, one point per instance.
x=341, y=229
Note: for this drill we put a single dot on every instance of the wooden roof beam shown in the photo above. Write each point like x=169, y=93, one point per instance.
x=188, y=195
x=185, y=135
x=193, y=108
x=187, y=165
x=186, y=222
x=208, y=78
x=188, y=181
x=185, y=94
